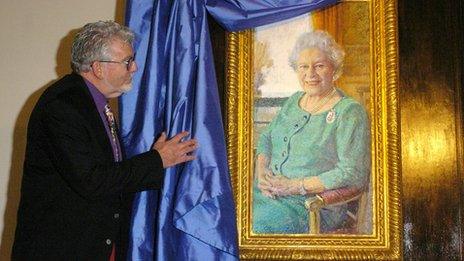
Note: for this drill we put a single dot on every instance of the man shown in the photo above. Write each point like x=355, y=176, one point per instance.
x=73, y=196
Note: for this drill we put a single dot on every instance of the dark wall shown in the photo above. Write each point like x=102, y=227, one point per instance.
x=431, y=58
x=218, y=41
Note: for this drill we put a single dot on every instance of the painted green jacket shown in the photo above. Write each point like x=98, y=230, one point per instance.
x=333, y=145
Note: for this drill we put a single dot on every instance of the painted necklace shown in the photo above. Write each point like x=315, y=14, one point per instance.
x=322, y=101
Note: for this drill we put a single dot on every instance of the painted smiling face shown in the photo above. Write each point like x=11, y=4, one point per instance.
x=315, y=72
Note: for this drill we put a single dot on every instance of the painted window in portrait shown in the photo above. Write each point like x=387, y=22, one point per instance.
x=311, y=129
x=312, y=134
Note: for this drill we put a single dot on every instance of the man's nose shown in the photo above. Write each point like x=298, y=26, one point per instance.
x=134, y=67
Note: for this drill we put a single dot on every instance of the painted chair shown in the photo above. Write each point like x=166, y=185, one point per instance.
x=355, y=197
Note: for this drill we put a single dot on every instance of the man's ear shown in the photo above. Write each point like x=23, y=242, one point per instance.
x=97, y=69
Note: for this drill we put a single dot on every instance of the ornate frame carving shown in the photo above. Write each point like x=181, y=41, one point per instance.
x=385, y=242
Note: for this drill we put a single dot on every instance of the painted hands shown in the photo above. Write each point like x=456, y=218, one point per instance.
x=264, y=185
x=175, y=151
x=282, y=186
x=272, y=185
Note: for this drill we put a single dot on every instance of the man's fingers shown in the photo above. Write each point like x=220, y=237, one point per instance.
x=179, y=137
x=185, y=158
x=188, y=143
x=162, y=137
x=189, y=158
x=185, y=149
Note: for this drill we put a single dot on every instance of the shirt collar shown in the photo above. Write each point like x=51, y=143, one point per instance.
x=98, y=97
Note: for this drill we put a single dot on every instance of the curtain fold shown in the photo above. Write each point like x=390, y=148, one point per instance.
x=236, y=15
x=175, y=89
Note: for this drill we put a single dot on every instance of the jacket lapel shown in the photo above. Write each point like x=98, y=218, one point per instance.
x=83, y=101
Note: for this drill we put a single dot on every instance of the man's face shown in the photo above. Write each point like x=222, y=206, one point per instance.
x=117, y=75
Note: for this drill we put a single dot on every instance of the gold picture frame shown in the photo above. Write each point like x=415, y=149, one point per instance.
x=384, y=241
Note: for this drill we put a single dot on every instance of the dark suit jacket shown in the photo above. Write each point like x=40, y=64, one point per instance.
x=71, y=204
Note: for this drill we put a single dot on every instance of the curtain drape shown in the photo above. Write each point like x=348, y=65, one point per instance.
x=175, y=89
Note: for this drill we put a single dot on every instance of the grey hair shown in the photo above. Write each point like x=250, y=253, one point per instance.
x=92, y=43
x=322, y=41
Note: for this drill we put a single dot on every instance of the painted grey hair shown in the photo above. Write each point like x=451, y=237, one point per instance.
x=322, y=41
x=93, y=41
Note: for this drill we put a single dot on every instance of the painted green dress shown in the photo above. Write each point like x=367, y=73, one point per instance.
x=333, y=145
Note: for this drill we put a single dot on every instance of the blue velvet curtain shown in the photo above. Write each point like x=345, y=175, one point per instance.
x=175, y=89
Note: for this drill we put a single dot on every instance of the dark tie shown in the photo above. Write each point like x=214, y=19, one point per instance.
x=114, y=135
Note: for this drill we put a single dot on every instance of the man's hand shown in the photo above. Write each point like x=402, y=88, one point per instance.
x=175, y=151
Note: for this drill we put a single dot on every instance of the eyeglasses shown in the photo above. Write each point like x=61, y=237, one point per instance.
x=127, y=62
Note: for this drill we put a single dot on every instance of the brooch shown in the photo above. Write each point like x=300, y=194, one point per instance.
x=330, y=116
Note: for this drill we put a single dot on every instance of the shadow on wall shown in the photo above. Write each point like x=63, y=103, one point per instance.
x=63, y=58
x=16, y=168
x=63, y=54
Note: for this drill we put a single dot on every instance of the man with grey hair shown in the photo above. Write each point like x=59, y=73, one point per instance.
x=74, y=202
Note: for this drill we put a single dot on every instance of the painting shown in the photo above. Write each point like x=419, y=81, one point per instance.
x=312, y=134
